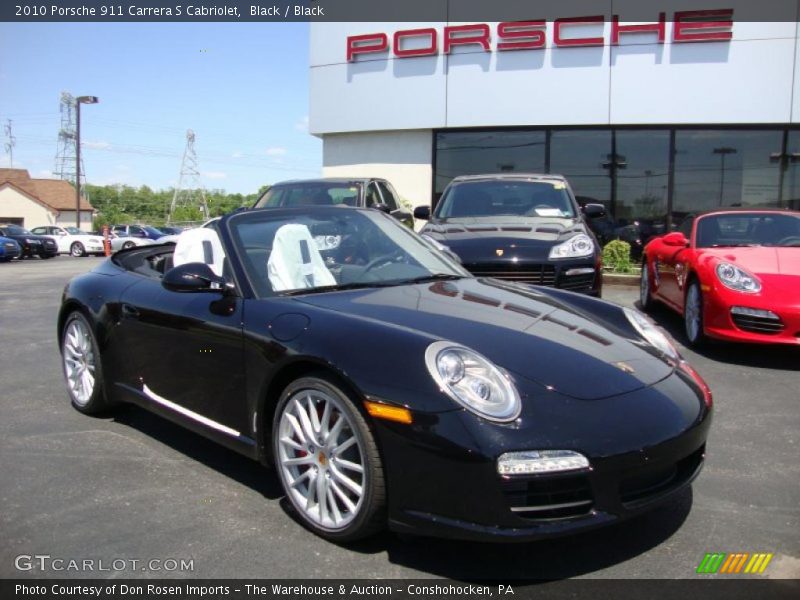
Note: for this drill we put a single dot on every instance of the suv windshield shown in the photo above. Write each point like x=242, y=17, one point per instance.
x=310, y=193
x=748, y=229
x=321, y=249
x=506, y=198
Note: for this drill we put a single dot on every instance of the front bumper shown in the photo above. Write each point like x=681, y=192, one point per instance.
x=10, y=251
x=578, y=275
x=721, y=323
x=443, y=478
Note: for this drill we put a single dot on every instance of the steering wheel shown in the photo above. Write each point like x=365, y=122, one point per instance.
x=791, y=240
x=384, y=259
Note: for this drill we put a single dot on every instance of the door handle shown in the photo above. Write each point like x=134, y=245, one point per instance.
x=129, y=312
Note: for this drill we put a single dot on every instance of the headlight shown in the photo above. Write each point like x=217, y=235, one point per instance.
x=473, y=381
x=737, y=279
x=575, y=247
x=652, y=334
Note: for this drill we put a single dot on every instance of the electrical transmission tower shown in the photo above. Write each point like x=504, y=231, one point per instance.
x=67, y=142
x=190, y=192
x=11, y=141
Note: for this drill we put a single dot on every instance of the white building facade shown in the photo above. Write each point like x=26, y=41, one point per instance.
x=696, y=108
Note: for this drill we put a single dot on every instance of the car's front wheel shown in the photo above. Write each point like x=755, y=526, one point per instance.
x=645, y=299
x=127, y=245
x=693, y=314
x=327, y=461
x=81, y=362
x=77, y=249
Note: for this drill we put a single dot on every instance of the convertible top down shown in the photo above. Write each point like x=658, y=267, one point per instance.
x=386, y=384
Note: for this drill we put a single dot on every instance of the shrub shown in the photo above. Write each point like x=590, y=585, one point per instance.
x=617, y=256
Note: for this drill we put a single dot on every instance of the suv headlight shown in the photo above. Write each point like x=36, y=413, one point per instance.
x=652, y=334
x=738, y=279
x=575, y=247
x=473, y=381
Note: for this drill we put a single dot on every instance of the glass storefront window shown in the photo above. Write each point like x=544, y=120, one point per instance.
x=476, y=153
x=716, y=168
x=584, y=158
x=790, y=164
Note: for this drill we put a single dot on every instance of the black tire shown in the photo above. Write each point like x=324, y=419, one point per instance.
x=645, y=285
x=94, y=402
x=127, y=245
x=77, y=249
x=693, y=315
x=369, y=515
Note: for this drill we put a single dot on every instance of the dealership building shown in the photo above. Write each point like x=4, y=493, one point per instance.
x=687, y=111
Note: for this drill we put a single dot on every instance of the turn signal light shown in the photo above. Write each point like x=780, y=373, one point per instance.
x=389, y=413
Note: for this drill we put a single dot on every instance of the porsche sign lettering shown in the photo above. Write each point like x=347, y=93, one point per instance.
x=686, y=26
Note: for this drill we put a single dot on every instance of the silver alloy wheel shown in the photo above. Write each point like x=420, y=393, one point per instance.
x=79, y=362
x=127, y=245
x=321, y=459
x=644, y=286
x=691, y=312
x=76, y=249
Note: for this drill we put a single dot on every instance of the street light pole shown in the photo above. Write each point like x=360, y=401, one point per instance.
x=723, y=152
x=78, y=101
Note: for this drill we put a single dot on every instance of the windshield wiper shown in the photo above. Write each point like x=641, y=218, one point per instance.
x=353, y=285
x=431, y=277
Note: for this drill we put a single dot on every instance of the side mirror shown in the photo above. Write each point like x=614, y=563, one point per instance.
x=423, y=213
x=594, y=211
x=676, y=238
x=193, y=277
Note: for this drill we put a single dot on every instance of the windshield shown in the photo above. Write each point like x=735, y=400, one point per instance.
x=17, y=230
x=506, y=198
x=320, y=249
x=310, y=193
x=75, y=231
x=748, y=229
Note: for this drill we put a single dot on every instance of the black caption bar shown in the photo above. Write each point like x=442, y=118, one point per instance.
x=394, y=589
x=373, y=10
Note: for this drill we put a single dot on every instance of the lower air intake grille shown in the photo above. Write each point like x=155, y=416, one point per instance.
x=533, y=274
x=755, y=324
x=548, y=498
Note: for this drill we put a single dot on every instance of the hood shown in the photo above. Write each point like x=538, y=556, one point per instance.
x=524, y=331
x=479, y=239
x=758, y=260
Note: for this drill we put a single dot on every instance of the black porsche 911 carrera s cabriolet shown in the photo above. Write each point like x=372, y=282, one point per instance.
x=385, y=384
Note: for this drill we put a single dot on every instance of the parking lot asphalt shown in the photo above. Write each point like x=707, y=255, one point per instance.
x=135, y=487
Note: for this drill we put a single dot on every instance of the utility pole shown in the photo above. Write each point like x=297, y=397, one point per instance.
x=78, y=101
x=66, y=153
x=190, y=191
x=11, y=141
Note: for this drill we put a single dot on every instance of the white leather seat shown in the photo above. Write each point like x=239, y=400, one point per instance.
x=295, y=262
x=199, y=245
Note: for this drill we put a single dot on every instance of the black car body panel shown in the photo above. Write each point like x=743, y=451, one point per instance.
x=30, y=244
x=517, y=248
x=587, y=381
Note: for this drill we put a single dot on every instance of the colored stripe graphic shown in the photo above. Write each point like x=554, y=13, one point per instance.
x=734, y=563
x=711, y=562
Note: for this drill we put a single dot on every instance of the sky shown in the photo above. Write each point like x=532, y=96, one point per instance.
x=241, y=87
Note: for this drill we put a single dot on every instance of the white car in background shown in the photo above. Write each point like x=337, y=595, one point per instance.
x=72, y=240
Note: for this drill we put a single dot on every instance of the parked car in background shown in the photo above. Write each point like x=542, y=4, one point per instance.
x=365, y=192
x=521, y=227
x=72, y=240
x=386, y=385
x=733, y=275
x=30, y=244
x=9, y=249
x=170, y=230
x=119, y=242
x=138, y=231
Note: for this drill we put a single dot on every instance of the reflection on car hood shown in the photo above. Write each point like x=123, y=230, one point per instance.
x=525, y=331
x=759, y=260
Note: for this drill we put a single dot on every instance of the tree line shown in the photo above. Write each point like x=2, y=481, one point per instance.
x=124, y=204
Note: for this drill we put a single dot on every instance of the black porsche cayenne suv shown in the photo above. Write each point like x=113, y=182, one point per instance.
x=31, y=244
x=522, y=227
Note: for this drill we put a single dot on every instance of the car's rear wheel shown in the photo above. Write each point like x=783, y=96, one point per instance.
x=81, y=362
x=327, y=461
x=77, y=249
x=645, y=299
x=693, y=314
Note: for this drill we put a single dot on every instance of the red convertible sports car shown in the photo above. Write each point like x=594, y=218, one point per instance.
x=732, y=274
